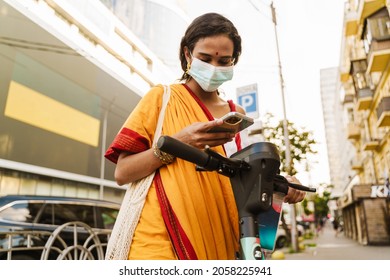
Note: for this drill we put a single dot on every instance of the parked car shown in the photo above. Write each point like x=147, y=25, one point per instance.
x=28, y=222
x=281, y=236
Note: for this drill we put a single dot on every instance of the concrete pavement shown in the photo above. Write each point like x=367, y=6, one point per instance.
x=331, y=247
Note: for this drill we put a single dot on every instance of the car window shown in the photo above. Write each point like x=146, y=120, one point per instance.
x=21, y=212
x=109, y=216
x=64, y=213
x=46, y=216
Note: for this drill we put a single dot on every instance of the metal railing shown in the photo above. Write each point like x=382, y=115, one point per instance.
x=81, y=243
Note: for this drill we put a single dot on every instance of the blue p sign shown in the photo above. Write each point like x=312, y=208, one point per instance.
x=247, y=98
x=248, y=102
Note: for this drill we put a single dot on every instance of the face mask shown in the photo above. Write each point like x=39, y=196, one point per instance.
x=209, y=77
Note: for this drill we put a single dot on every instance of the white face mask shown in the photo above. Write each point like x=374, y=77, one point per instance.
x=209, y=77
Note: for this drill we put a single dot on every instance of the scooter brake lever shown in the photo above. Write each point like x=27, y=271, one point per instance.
x=282, y=179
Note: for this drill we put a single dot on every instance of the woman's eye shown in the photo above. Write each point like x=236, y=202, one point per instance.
x=226, y=62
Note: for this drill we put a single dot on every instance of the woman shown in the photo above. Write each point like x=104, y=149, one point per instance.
x=187, y=214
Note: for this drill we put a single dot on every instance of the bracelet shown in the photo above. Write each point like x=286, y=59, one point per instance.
x=165, y=158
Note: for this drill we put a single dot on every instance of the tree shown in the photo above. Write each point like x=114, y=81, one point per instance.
x=320, y=201
x=321, y=208
x=302, y=142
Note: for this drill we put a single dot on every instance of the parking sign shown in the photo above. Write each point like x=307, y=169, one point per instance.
x=247, y=98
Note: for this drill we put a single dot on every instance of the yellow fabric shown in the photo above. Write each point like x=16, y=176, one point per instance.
x=203, y=201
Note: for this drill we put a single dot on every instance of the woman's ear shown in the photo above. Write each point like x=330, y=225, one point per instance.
x=187, y=54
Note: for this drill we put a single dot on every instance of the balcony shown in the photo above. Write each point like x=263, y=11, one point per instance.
x=383, y=112
x=356, y=165
x=348, y=98
x=353, y=132
x=364, y=98
x=351, y=19
x=370, y=6
x=348, y=91
x=362, y=83
x=371, y=145
x=377, y=40
x=378, y=56
x=344, y=73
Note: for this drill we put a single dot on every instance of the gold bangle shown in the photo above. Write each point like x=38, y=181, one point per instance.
x=164, y=157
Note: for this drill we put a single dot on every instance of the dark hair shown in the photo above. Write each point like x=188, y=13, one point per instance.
x=207, y=25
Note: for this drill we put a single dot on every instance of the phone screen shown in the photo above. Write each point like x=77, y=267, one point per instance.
x=233, y=122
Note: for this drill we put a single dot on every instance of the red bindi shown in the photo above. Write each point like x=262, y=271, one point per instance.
x=216, y=53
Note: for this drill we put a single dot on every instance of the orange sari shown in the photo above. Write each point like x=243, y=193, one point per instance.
x=187, y=214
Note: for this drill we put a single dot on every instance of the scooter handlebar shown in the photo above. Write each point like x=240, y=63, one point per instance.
x=184, y=151
x=212, y=161
x=281, y=184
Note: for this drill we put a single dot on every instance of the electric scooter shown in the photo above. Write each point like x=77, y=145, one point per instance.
x=257, y=186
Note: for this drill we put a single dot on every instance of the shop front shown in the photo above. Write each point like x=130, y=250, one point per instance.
x=366, y=213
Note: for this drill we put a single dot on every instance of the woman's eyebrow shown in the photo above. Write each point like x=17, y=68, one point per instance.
x=210, y=55
x=204, y=54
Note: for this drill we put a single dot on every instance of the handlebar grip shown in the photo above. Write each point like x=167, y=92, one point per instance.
x=281, y=184
x=280, y=187
x=184, y=151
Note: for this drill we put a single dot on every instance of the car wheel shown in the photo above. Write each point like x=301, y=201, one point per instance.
x=281, y=242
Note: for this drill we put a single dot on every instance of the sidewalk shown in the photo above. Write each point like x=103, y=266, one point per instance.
x=330, y=247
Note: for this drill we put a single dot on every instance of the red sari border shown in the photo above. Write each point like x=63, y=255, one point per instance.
x=180, y=240
x=232, y=107
x=126, y=140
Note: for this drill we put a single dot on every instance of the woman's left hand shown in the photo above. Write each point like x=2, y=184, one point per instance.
x=294, y=195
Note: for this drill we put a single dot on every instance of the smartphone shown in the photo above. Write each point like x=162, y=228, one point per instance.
x=233, y=122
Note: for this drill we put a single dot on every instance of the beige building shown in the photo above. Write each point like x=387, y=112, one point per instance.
x=364, y=75
x=340, y=150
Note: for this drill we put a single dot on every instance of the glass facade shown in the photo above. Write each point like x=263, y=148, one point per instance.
x=50, y=121
x=60, y=108
x=70, y=74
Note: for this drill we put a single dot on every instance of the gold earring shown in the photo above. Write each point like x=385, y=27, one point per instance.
x=188, y=67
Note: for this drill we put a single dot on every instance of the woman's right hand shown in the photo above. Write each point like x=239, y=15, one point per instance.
x=131, y=167
x=197, y=135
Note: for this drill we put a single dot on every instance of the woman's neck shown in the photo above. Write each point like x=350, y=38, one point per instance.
x=204, y=96
x=211, y=100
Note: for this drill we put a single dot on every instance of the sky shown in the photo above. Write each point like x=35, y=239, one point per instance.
x=309, y=35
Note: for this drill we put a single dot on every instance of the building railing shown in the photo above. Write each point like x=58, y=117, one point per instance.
x=383, y=112
x=25, y=244
x=103, y=39
x=364, y=98
x=95, y=32
x=353, y=131
x=357, y=164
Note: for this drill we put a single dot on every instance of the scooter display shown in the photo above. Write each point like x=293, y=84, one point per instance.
x=257, y=186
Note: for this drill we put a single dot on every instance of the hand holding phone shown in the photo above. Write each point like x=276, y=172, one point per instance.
x=233, y=122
